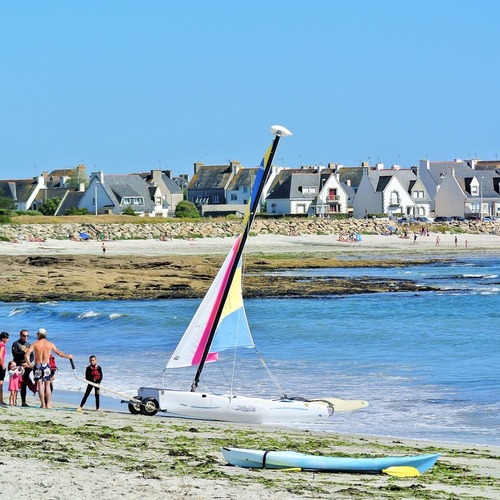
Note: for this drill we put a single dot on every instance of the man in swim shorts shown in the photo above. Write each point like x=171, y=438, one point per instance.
x=42, y=349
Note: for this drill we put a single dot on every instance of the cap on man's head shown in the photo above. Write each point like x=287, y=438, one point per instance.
x=4, y=335
x=42, y=332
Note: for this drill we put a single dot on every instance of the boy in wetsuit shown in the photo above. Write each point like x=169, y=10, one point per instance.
x=93, y=374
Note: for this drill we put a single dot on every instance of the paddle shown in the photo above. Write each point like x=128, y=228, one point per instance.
x=401, y=471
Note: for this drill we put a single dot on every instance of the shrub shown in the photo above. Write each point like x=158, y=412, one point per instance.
x=129, y=211
x=186, y=209
x=30, y=213
x=76, y=211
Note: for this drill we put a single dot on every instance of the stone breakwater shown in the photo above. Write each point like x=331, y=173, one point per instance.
x=210, y=229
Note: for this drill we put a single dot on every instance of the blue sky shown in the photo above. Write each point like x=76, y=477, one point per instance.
x=125, y=86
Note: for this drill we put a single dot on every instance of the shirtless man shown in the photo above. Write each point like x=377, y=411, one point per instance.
x=42, y=349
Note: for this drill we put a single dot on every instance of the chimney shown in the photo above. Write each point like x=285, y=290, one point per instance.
x=99, y=175
x=197, y=166
x=156, y=175
x=235, y=166
x=379, y=165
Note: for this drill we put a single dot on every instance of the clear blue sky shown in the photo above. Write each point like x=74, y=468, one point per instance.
x=127, y=86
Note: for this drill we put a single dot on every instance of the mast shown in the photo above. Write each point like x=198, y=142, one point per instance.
x=278, y=131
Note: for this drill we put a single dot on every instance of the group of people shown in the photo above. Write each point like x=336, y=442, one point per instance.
x=37, y=359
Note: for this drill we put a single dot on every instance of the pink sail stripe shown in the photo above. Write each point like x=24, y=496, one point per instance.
x=206, y=332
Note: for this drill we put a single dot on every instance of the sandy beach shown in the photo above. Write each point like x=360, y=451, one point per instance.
x=112, y=454
x=268, y=244
x=62, y=453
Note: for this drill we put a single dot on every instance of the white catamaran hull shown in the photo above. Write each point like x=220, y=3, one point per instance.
x=239, y=409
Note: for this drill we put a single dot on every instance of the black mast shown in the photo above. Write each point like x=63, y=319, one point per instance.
x=232, y=271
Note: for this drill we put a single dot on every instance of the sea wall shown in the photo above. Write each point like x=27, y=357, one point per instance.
x=210, y=229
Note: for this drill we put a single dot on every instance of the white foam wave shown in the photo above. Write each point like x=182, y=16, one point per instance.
x=17, y=310
x=88, y=314
x=115, y=315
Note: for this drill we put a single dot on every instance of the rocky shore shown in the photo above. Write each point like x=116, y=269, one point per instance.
x=147, y=261
x=84, y=277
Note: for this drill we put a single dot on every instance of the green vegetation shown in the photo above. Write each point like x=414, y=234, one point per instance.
x=77, y=211
x=186, y=209
x=129, y=211
x=159, y=448
x=50, y=206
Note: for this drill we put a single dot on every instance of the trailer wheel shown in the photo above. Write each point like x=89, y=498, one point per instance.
x=135, y=408
x=149, y=407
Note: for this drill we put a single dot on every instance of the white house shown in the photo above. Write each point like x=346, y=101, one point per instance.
x=391, y=191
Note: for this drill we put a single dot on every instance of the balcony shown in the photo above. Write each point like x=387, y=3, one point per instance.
x=333, y=200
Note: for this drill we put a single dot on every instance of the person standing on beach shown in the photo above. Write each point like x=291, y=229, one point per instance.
x=93, y=374
x=4, y=338
x=43, y=349
x=15, y=381
x=19, y=348
x=438, y=239
x=103, y=248
x=456, y=242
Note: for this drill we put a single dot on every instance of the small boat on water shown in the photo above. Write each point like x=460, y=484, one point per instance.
x=403, y=466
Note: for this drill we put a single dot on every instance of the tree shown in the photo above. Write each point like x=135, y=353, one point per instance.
x=50, y=206
x=7, y=204
x=186, y=209
x=77, y=178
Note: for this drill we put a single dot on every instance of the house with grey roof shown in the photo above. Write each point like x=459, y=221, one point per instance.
x=465, y=188
x=210, y=183
x=468, y=193
x=112, y=194
x=168, y=193
x=392, y=191
x=23, y=192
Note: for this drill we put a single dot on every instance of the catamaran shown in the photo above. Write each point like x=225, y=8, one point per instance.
x=219, y=324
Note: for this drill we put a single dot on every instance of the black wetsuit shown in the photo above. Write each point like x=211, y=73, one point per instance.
x=92, y=374
x=18, y=356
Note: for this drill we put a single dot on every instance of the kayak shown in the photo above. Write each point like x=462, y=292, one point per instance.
x=292, y=460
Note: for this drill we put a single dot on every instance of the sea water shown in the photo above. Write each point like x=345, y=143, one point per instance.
x=427, y=362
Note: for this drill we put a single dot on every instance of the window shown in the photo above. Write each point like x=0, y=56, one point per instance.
x=215, y=198
x=234, y=197
x=474, y=190
x=418, y=194
x=245, y=189
x=132, y=200
x=394, y=198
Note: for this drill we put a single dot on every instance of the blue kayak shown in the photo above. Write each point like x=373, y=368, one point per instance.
x=290, y=459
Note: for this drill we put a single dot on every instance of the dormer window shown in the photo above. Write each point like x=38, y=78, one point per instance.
x=394, y=198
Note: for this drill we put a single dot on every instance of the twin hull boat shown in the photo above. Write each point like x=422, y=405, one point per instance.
x=227, y=408
x=220, y=324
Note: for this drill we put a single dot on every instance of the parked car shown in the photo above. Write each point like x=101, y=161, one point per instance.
x=442, y=219
x=424, y=219
x=458, y=218
x=489, y=218
x=403, y=220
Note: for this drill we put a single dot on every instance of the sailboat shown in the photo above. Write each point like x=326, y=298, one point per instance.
x=220, y=323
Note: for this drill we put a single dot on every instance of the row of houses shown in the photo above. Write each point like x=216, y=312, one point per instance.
x=469, y=188
x=455, y=188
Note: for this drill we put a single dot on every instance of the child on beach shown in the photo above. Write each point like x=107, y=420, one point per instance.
x=15, y=381
x=93, y=374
